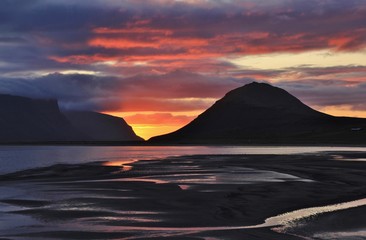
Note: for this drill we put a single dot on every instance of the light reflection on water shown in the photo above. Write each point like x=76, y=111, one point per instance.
x=290, y=217
x=16, y=158
x=343, y=158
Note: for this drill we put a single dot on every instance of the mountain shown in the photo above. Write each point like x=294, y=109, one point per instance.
x=101, y=127
x=260, y=113
x=26, y=120
x=31, y=120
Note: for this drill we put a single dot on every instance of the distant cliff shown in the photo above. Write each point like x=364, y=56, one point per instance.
x=26, y=120
x=101, y=127
x=263, y=114
x=31, y=120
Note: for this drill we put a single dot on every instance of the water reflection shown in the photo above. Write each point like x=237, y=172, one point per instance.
x=347, y=158
x=16, y=158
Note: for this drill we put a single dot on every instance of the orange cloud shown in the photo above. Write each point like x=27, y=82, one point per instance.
x=339, y=42
x=144, y=41
x=82, y=59
x=153, y=45
x=119, y=43
x=155, y=42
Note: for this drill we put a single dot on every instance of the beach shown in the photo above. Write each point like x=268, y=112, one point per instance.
x=190, y=197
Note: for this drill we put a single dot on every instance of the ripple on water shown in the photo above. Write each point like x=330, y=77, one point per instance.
x=227, y=175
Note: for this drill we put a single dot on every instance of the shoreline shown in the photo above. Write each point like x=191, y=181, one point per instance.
x=214, y=204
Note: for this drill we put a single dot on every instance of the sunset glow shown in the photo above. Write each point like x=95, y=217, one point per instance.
x=160, y=63
x=147, y=131
x=149, y=124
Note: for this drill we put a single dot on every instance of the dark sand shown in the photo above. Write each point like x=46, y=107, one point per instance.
x=189, y=197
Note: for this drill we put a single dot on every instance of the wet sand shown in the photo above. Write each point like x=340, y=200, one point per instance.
x=189, y=197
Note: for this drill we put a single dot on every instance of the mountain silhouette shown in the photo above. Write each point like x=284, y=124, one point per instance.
x=26, y=120
x=32, y=120
x=261, y=113
x=101, y=127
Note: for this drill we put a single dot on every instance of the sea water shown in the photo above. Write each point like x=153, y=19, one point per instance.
x=141, y=222
x=17, y=158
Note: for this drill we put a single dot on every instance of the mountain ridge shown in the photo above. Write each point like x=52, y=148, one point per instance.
x=261, y=113
x=102, y=127
x=27, y=120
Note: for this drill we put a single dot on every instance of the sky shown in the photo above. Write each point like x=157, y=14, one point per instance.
x=160, y=63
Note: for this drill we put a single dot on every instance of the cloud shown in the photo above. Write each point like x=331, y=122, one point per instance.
x=180, y=91
x=329, y=92
x=175, y=91
x=78, y=35
x=164, y=104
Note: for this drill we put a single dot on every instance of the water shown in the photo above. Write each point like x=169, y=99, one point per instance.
x=286, y=219
x=16, y=158
x=145, y=203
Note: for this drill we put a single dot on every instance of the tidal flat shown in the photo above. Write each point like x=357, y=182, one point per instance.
x=319, y=195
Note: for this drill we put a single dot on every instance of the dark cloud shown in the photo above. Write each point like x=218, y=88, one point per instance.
x=328, y=92
x=180, y=90
x=320, y=71
x=175, y=91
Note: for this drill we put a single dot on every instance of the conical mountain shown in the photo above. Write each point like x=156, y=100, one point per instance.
x=261, y=113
